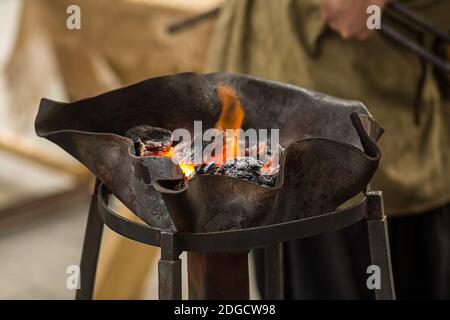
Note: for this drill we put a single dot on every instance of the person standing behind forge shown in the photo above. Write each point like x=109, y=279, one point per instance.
x=326, y=46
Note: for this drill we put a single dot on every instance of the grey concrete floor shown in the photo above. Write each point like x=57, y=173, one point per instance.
x=35, y=252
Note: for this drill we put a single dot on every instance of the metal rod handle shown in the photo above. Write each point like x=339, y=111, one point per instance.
x=415, y=48
x=419, y=21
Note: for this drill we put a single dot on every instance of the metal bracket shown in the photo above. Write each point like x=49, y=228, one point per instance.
x=169, y=268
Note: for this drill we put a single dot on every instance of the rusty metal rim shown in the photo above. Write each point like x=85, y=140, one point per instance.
x=232, y=240
x=280, y=181
x=130, y=147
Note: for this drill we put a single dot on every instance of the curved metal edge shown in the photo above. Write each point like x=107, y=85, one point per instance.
x=233, y=240
x=132, y=230
x=371, y=152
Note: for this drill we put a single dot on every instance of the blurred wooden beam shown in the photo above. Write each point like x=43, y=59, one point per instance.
x=47, y=203
x=21, y=147
x=194, y=6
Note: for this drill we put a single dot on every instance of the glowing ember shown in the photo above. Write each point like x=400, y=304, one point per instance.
x=231, y=118
x=187, y=169
x=226, y=156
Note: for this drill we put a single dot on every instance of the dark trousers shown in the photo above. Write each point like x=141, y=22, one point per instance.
x=333, y=266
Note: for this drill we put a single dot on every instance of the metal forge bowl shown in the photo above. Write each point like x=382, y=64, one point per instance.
x=330, y=156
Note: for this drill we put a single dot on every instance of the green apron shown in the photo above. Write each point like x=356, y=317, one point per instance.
x=286, y=40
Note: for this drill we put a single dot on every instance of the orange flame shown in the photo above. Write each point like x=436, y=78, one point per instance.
x=186, y=168
x=231, y=117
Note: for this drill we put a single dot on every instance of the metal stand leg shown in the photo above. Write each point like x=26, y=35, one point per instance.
x=273, y=272
x=91, y=249
x=218, y=276
x=379, y=245
x=169, y=269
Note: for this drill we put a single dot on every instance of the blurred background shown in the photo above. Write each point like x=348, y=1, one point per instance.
x=44, y=193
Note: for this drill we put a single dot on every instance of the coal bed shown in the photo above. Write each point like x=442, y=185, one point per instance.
x=153, y=141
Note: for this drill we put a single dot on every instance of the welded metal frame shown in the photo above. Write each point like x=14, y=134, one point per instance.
x=270, y=237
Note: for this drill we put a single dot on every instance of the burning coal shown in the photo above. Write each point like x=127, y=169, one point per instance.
x=223, y=150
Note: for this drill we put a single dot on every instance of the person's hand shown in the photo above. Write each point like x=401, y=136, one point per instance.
x=349, y=17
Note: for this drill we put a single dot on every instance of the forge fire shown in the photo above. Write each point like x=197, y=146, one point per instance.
x=228, y=150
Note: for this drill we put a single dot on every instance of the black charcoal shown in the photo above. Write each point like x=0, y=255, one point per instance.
x=245, y=168
x=206, y=168
x=267, y=180
x=148, y=139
